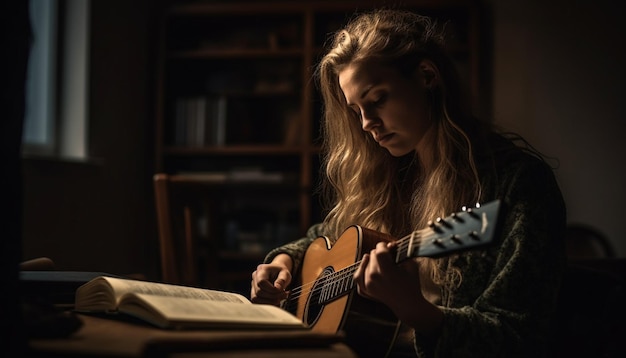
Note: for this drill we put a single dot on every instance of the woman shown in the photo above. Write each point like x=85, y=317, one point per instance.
x=400, y=148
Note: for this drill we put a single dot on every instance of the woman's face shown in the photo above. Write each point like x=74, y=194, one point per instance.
x=392, y=108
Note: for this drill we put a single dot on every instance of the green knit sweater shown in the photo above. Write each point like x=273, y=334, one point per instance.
x=504, y=303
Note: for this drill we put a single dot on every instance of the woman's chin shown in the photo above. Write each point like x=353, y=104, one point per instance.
x=398, y=151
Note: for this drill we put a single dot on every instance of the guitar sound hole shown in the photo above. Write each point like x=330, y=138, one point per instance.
x=313, y=306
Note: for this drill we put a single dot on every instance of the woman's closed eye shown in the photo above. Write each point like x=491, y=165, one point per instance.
x=380, y=100
x=377, y=103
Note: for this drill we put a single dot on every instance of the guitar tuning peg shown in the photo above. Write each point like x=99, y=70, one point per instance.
x=472, y=213
x=444, y=223
x=435, y=228
x=456, y=217
x=465, y=208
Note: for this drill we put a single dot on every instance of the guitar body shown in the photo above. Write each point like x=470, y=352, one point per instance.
x=328, y=301
x=370, y=327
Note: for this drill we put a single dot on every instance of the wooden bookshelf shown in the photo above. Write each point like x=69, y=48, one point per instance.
x=235, y=95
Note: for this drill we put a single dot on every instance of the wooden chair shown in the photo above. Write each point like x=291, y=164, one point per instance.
x=587, y=242
x=179, y=202
x=197, y=244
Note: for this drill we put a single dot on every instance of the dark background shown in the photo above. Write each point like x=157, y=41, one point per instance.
x=558, y=79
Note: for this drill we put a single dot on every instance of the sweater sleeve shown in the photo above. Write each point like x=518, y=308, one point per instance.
x=507, y=296
x=296, y=249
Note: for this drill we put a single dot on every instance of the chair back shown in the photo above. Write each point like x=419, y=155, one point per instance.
x=587, y=242
x=180, y=208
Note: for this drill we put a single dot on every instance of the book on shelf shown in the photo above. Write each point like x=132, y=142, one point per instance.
x=179, y=307
x=218, y=120
x=200, y=121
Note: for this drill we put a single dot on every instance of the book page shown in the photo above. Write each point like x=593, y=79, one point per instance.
x=185, y=312
x=123, y=286
x=104, y=293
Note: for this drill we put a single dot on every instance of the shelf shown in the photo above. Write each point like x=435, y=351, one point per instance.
x=254, y=150
x=236, y=53
x=270, y=183
x=235, y=8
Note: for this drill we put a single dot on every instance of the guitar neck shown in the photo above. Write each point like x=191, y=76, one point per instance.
x=460, y=231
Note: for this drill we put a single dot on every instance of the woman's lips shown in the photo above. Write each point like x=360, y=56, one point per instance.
x=381, y=139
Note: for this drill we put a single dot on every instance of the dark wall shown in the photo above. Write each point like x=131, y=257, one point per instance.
x=98, y=215
x=15, y=40
x=559, y=80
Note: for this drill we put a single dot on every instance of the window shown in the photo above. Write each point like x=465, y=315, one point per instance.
x=41, y=78
x=57, y=82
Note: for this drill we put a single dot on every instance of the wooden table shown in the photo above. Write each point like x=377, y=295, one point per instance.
x=106, y=337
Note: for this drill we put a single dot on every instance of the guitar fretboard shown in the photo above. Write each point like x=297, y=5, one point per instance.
x=458, y=232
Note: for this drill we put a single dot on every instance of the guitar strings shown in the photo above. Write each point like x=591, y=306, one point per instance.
x=403, y=245
x=348, y=271
x=416, y=238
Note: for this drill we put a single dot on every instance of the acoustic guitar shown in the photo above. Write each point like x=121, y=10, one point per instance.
x=328, y=302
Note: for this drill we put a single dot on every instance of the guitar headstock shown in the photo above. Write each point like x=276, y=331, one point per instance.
x=463, y=230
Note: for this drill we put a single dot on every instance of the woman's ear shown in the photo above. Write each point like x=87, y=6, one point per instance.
x=428, y=73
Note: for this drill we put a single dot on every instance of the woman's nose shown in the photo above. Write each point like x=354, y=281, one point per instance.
x=369, y=120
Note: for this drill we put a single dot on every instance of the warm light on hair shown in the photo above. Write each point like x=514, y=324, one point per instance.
x=364, y=184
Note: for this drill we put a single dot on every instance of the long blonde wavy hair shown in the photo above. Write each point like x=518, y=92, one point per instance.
x=363, y=183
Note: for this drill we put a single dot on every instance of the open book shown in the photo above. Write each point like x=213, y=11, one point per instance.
x=173, y=306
